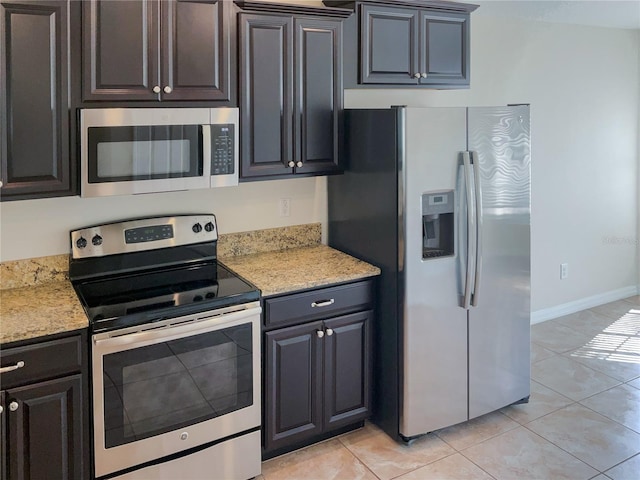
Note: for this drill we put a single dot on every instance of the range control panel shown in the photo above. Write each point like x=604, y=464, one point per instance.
x=143, y=234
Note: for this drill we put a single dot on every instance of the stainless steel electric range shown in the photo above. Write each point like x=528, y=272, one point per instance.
x=175, y=350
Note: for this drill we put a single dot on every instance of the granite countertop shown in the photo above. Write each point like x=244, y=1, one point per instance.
x=37, y=311
x=299, y=268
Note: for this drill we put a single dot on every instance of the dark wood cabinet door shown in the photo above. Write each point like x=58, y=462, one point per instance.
x=45, y=431
x=347, y=369
x=120, y=50
x=318, y=94
x=3, y=438
x=293, y=385
x=389, y=45
x=444, y=49
x=194, y=50
x=266, y=95
x=34, y=102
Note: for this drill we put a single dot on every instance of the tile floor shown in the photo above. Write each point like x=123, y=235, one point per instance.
x=582, y=422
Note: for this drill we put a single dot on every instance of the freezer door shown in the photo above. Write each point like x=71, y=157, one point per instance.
x=499, y=319
x=434, y=382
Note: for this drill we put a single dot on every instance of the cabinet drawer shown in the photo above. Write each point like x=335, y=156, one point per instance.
x=320, y=303
x=41, y=361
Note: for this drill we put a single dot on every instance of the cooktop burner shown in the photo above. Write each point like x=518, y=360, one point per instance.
x=141, y=282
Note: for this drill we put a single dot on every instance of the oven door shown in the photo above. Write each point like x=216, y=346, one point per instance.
x=140, y=150
x=179, y=384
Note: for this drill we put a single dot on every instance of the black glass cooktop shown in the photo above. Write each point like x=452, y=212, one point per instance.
x=153, y=295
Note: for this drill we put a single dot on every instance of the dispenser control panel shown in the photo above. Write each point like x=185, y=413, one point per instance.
x=438, y=224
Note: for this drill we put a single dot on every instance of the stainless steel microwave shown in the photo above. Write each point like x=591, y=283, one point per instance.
x=128, y=151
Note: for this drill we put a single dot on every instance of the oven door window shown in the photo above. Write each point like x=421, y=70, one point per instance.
x=118, y=154
x=170, y=385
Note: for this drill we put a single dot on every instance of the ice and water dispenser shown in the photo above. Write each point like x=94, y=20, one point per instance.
x=437, y=224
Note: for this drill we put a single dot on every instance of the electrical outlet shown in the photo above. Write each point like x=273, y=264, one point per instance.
x=564, y=271
x=285, y=207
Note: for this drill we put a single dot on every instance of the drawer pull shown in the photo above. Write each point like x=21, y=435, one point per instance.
x=323, y=303
x=11, y=368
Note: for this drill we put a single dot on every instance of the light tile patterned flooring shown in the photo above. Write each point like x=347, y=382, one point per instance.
x=582, y=421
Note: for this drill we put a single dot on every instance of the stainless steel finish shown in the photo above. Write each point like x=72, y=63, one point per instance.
x=423, y=75
x=319, y=333
x=329, y=332
x=13, y=406
x=124, y=456
x=167, y=89
x=323, y=303
x=416, y=75
x=114, y=117
x=233, y=459
x=11, y=368
x=113, y=236
x=156, y=89
x=479, y=233
x=434, y=355
x=291, y=163
x=499, y=326
x=471, y=229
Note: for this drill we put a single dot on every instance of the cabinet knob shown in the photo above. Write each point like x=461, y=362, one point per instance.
x=329, y=332
x=167, y=89
x=319, y=333
x=299, y=164
x=291, y=164
x=1, y=184
x=156, y=89
x=423, y=75
x=1, y=409
x=416, y=75
x=13, y=406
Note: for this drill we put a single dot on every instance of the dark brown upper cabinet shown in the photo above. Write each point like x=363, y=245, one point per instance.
x=157, y=50
x=290, y=68
x=408, y=42
x=34, y=98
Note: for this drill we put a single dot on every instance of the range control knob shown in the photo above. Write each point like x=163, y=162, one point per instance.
x=81, y=242
x=96, y=240
x=210, y=295
x=209, y=227
x=197, y=298
x=197, y=228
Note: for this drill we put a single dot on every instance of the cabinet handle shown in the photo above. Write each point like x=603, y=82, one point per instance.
x=329, y=332
x=11, y=368
x=319, y=333
x=423, y=75
x=291, y=164
x=416, y=75
x=156, y=89
x=167, y=89
x=323, y=303
x=1, y=409
x=13, y=406
x=299, y=164
x=1, y=184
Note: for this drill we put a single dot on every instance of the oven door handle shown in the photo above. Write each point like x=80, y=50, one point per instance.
x=174, y=329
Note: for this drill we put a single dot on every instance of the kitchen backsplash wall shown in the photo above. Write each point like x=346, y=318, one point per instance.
x=36, y=271
x=39, y=228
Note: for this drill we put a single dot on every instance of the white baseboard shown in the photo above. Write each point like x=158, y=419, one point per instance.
x=584, y=303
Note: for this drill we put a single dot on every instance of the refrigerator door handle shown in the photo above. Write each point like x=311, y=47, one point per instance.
x=471, y=229
x=475, y=166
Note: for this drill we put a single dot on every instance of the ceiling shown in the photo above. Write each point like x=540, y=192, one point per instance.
x=602, y=13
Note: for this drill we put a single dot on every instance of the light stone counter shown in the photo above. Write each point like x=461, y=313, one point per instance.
x=30, y=312
x=299, y=269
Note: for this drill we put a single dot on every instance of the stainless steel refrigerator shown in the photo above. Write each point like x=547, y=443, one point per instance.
x=439, y=198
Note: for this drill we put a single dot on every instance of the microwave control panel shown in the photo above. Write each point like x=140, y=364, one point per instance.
x=222, y=148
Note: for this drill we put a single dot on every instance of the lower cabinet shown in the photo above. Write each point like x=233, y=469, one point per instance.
x=43, y=422
x=317, y=374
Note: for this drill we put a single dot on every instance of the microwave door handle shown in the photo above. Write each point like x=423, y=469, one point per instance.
x=207, y=154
